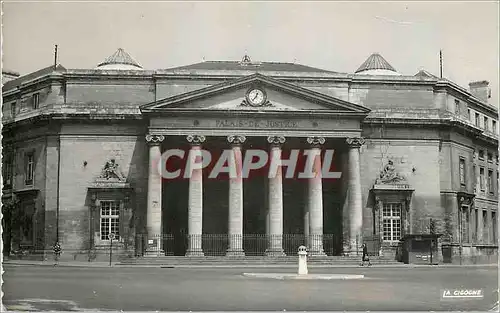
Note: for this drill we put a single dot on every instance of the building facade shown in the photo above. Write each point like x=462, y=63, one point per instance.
x=416, y=154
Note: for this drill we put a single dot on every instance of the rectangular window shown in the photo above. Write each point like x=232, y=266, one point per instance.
x=391, y=217
x=13, y=109
x=7, y=171
x=486, y=123
x=494, y=126
x=481, y=178
x=457, y=107
x=36, y=100
x=490, y=157
x=29, y=169
x=494, y=226
x=110, y=219
x=490, y=181
x=481, y=154
x=461, y=171
x=477, y=119
x=485, y=226
x=469, y=116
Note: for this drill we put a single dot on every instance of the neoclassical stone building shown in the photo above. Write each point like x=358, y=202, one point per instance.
x=81, y=151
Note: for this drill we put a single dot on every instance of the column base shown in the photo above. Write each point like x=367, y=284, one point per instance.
x=355, y=247
x=194, y=253
x=275, y=253
x=235, y=253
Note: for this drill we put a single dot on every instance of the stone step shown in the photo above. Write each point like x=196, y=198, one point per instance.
x=251, y=261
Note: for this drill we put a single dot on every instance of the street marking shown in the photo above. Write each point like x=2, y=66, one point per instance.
x=31, y=305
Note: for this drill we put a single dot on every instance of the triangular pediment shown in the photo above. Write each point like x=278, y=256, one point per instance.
x=256, y=92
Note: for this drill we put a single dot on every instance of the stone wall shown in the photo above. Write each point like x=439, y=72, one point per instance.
x=377, y=95
x=83, y=157
x=111, y=92
x=418, y=161
x=31, y=197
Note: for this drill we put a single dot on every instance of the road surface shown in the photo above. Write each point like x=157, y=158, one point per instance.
x=172, y=289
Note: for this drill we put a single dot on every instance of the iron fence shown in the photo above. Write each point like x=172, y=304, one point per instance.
x=220, y=244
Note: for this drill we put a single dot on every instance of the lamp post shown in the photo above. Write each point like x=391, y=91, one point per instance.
x=111, y=237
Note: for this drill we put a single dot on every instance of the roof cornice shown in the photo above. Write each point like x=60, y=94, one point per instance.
x=464, y=92
x=108, y=74
x=45, y=79
x=451, y=122
x=136, y=75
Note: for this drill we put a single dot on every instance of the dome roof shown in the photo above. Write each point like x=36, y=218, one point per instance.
x=120, y=60
x=376, y=65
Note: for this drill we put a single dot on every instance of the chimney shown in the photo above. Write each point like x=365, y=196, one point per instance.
x=480, y=89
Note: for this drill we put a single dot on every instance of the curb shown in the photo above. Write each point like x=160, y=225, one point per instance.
x=282, y=276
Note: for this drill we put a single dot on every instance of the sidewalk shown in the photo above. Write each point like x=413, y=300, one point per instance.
x=122, y=265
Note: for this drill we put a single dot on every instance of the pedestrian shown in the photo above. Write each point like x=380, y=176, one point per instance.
x=365, y=257
x=57, y=252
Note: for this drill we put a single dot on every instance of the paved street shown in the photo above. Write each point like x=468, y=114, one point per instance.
x=149, y=289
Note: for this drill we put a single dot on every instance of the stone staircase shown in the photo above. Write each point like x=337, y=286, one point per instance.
x=253, y=260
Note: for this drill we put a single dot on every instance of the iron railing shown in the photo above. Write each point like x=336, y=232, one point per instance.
x=250, y=244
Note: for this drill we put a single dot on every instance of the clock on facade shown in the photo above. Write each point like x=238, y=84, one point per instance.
x=256, y=97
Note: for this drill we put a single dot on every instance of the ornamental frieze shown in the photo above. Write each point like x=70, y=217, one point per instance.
x=255, y=123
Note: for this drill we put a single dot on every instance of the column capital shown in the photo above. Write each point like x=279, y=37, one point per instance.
x=236, y=139
x=154, y=139
x=195, y=139
x=316, y=141
x=355, y=142
x=276, y=140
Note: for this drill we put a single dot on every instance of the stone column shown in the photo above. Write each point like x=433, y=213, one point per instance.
x=153, y=215
x=315, y=199
x=235, y=218
x=354, y=194
x=275, y=198
x=195, y=202
x=307, y=231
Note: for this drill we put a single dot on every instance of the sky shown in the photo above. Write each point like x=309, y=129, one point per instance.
x=335, y=35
